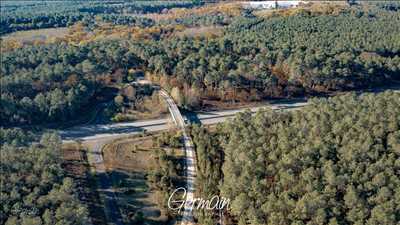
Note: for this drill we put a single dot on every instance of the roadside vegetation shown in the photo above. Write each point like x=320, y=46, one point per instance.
x=135, y=102
x=76, y=166
x=333, y=162
x=55, y=83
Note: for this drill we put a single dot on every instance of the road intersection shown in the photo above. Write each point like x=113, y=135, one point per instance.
x=99, y=134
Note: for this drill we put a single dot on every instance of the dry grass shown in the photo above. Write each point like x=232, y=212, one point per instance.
x=77, y=35
x=32, y=37
x=74, y=159
x=37, y=35
x=206, y=31
x=133, y=154
x=151, y=107
x=129, y=160
x=228, y=8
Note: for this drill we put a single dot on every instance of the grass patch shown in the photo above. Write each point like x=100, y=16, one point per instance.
x=37, y=35
x=205, y=31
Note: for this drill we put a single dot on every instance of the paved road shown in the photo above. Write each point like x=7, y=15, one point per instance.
x=100, y=134
x=190, y=160
x=103, y=131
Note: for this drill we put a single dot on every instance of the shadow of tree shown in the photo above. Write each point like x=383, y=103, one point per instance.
x=133, y=195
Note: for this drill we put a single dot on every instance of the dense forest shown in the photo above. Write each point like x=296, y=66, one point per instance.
x=55, y=82
x=34, y=188
x=334, y=162
x=168, y=172
x=303, y=54
x=307, y=53
x=20, y=15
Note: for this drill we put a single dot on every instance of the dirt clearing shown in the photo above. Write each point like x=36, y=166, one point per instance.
x=129, y=161
x=37, y=35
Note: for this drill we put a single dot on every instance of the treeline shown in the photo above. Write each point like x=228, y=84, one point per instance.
x=22, y=15
x=117, y=19
x=332, y=162
x=212, y=19
x=141, y=7
x=135, y=102
x=31, y=22
x=209, y=160
x=169, y=169
x=15, y=137
x=306, y=54
x=34, y=188
x=16, y=23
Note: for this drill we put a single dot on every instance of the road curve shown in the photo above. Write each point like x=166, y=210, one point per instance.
x=100, y=134
x=190, y=160
x=103, y=131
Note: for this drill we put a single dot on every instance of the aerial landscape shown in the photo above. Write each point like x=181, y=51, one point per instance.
x=164, y=112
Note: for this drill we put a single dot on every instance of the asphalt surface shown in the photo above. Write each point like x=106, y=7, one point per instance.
x=100, y=134
x=105, y=131
x=190, y=161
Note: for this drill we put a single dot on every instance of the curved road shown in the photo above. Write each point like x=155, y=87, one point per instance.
x=97, y=135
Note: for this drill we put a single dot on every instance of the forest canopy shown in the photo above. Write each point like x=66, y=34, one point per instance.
x=285, y=56
x=34, y=187
x=305, y=54
x=335, y=161
x=23, y=15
